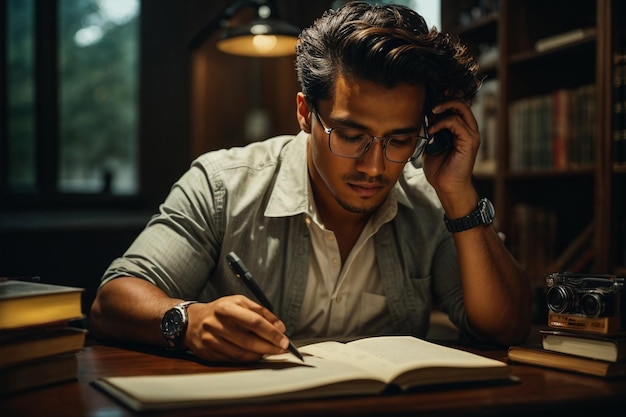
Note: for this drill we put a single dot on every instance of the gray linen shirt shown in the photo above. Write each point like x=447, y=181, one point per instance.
x=253, y=200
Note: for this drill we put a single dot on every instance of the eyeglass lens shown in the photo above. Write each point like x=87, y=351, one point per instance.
x=354, y=143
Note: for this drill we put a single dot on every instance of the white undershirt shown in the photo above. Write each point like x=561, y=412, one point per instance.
x=344, y=300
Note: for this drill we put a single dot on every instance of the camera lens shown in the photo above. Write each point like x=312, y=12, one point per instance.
x=595, y=304
x=560, y=298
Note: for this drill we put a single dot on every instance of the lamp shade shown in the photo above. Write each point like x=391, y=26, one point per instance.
x=260, y=38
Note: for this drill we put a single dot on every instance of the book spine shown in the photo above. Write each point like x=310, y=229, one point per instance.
x=554, y=131
x=560, y=127
x=619, y=109
x=560, y=39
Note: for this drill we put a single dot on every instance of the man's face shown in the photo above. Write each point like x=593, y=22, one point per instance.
x=359, y=186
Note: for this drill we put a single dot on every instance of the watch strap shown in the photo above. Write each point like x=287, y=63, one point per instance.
x=482, y=214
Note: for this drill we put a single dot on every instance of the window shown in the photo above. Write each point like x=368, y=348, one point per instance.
x=20, y=161
x=71, y=119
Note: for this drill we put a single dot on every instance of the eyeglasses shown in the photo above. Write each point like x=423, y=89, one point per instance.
x=353, y=143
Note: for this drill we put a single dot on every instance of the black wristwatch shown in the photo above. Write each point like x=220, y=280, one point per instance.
x=483, y=214
x=174, y=323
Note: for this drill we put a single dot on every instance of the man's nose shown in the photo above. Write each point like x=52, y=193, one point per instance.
x=372, y=162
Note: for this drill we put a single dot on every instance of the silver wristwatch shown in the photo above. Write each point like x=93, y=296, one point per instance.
x=174, y=323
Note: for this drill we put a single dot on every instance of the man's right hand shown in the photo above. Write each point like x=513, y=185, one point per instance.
x=229, y=329
x=234, y=329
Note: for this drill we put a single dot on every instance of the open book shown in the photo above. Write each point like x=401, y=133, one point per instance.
x=362, y=367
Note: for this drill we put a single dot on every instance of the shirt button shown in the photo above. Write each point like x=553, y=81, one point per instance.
x=330, y=237
x=335, y=262
x=338, y=299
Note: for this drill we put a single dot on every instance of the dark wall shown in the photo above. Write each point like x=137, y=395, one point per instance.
x=164, y=97
x=66, y=254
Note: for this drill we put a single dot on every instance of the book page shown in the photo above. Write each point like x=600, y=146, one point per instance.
x=377, y=365
x=389, y=356
x=410, y=350
x=318, y=378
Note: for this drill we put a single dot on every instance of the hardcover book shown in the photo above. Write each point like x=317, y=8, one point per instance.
x=34, y=343
x=535, y=355
x=38, y=373
x=24, y=304
x=607, y=348
x=362, y=367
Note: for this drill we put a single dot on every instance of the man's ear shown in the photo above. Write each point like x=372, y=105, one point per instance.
x=303, y=113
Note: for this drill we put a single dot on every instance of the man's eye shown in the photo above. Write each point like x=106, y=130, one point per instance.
x=402, y=141
x=352, y=135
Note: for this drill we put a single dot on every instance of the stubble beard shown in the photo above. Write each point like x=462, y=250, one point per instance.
x=356, y=209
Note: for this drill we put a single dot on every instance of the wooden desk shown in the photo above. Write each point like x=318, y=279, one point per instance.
x=540, y=392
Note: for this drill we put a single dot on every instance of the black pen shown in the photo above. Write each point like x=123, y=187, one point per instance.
x=239, y=268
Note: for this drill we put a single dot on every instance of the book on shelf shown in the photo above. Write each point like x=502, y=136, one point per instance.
x=563, y=39
x=554, y=130
x=38, y=373
x=363, y=367
x=24, y=303
x=485, y=109
x=531, y=133
x=536, y=355
x=606, y=348
x=19, y=346
x=561, y=125
x=619, y=108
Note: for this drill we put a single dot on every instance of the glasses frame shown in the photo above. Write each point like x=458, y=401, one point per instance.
x=419, y=147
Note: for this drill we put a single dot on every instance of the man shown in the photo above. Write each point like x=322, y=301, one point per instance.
x=340, y=225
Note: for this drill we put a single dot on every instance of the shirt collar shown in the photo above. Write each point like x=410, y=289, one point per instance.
x=290, y=194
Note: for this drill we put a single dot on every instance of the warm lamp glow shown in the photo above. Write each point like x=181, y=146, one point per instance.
x=264, y=43
x=259, y=45
x=265, y=36
x=260, y=38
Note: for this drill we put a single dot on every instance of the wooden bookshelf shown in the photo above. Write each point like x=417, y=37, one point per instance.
x=567, y=45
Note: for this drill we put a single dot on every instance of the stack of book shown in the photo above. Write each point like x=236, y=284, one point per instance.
x=583, y=352
x=38, y=345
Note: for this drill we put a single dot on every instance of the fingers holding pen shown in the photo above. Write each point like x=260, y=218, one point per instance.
x=234, y=328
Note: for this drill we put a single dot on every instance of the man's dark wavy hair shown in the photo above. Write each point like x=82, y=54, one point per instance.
x=387, y=44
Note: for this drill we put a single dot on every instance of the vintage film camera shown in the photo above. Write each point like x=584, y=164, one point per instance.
x=589, y=303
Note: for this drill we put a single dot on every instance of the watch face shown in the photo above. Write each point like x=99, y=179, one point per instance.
x=490, y=212
x=172, y=323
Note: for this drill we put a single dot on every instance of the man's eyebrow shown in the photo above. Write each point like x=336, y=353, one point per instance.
x=346, y=122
